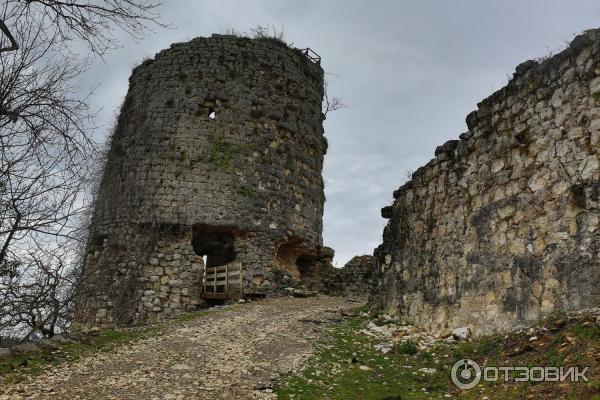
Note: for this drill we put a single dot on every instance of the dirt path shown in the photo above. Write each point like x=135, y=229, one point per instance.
x=235, y=353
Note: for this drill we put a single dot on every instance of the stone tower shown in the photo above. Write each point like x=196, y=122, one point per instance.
x=216, y=158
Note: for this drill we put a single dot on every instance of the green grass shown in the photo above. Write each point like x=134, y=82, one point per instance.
x=586, y=332
x=334, y=371
x=407, y=347
x=17, y=368
x=489, y=345
x=222, y=152
x=191, y=316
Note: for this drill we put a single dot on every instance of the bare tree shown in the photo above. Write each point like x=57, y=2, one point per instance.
x=46, y=148
x=36, y=297
x=44, y=139
x=331, y=103
x=13, y=43
x=90, y=21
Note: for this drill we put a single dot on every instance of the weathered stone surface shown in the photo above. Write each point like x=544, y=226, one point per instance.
x=219, y=140
x=387, y=212
x=503, y=228
x=356, y=279
x=27, y=347
x=46, y=344
x=4, y=353
x=463, y=333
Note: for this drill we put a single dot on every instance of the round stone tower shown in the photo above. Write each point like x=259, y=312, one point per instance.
x=216, y=160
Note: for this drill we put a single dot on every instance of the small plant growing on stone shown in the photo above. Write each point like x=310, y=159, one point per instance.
x=407, y=347
x=382, y=322
x=266, y=31
x=490, y=344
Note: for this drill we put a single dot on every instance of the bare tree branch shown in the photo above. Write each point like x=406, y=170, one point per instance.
x=13, y=43
x=331, y=103
x=90, y=21
x=47, y=151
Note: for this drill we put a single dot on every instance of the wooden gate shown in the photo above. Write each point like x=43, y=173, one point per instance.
x=223, y=282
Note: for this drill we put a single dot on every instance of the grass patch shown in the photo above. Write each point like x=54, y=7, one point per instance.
x=489, y=345
x=586, y=332
x=346, y=366
x=222, y=152
x=244, y=192
x=334, y=371
x=407, y=347
x=191, y=316
x=19, y=367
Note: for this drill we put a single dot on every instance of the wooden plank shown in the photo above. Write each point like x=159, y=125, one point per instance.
x=230, y=266
x=241, y=280
x=221, y=296
x=219, y=268
x=222, y=284
x=211, y=273
x=219, y=275
x=226, y=279
x=215, y=283
x=223, y=280
x=216, y=296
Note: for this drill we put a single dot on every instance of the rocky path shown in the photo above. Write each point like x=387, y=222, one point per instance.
x=234, y=353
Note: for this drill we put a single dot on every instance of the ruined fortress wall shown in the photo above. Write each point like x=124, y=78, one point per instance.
x=355, y=279
x=216, y=136
x=502, y=226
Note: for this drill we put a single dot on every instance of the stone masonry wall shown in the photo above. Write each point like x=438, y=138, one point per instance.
x=502, y=226
x=356, y=279
x=216, y=136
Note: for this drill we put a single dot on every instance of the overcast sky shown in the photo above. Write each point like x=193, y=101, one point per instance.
x=409, y=72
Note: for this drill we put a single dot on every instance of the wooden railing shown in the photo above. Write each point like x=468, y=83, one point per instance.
x=223, y=282
x=312, y=56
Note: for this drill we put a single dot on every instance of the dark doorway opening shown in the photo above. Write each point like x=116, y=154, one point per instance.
x=306, y=266
x=216, y=247
x=296, y=256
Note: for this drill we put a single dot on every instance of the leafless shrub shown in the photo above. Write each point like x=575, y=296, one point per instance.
x=266, y=31
x=36, y=297
x=552, y=51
